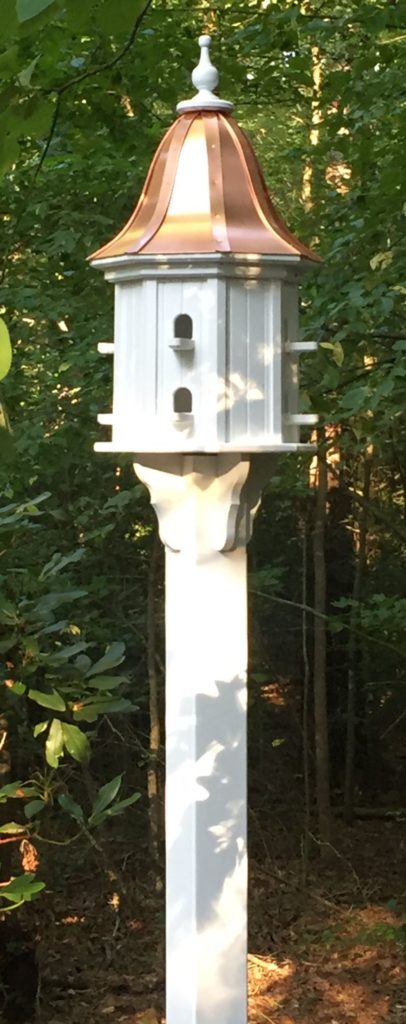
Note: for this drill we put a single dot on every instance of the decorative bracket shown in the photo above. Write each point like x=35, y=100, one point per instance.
x=205, y=502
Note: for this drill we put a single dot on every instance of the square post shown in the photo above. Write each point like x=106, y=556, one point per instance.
x=204, y=506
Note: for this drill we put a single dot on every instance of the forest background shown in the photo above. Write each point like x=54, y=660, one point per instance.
x=87, y=91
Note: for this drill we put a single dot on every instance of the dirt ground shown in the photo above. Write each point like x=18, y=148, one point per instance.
x=332, y=952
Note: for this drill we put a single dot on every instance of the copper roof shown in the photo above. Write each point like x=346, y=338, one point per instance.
x=205, y=193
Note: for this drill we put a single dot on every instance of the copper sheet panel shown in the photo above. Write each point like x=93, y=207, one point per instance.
x=240, y=215
x=153, y=202
x=263, y=198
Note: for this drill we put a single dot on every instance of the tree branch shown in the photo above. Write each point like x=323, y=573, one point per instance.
x=51, y=134
x=108, y=63
x=327, y=618
x=59, y=93
x=370, y=504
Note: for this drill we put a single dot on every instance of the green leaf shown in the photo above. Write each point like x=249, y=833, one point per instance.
x=25, y=76
x=9, y=153
x=354, y=399
x=9, y=22
x=31, y=645
x=22, y=883
x=12, y=828
x=64, y=653
x=39, y=728
x=59, y=562
x=117, y=17
x=336, y=349
x=8, y=612
x=27, y=9
x=71, y=807
x=83, y=663
x=381, y=260
x=9, y=791
x=114, y=656
x=16, y=790
x=56, y=627
x=24, y=887
x=49, y=602
x=54, y=743
x=33, y=808
x=7, y=442
x=89, y=711
x=118, y=808
x=8, y=643
x=53, y=700
x=5, y=350
x=106, y=796
x=106, y=682
x=76, y=743
x=9, y=58
x=17, y=688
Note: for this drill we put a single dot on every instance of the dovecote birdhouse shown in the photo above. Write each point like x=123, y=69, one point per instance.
x=206, y=276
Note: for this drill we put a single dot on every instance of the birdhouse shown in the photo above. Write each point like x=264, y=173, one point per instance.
x=205, y=274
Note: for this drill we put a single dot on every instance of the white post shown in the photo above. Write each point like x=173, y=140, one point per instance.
x=205, y=505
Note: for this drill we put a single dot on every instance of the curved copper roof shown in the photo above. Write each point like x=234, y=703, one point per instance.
x=205, y=193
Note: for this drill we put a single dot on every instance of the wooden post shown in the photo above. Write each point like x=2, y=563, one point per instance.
x=204, y=506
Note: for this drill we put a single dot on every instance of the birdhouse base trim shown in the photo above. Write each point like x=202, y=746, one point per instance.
x=209, y=449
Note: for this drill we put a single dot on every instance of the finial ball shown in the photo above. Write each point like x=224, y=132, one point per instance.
x=205, y=78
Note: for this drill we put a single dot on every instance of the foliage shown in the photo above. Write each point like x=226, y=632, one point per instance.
x=18, y=891
x=55, y=676
x=86, y=92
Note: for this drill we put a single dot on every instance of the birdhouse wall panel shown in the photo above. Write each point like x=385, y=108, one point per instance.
x=254, y=361
x=146, y=344
x=259, y=346
x=220, y=316
x=190, y=362
x=182, y=305
x=237, y=361
x=170, y=365
x=210, y=363
x=274, y=360
x=290, y=375
x=134, y=385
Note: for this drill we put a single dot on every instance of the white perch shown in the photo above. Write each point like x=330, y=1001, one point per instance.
x=106, y=348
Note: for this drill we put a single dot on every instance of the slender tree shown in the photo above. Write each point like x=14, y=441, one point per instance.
x=320, y=650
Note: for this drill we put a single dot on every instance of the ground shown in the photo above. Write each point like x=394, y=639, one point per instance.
x=332, y=952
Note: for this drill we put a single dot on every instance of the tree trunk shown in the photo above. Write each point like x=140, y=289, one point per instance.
x=350, y=746
x=305, y=711
x=316, y=119
x=336, y=173
x=320, y=648
x=5, y=778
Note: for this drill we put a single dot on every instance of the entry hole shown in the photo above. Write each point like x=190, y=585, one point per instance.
x=183, y=327
x=182, y=400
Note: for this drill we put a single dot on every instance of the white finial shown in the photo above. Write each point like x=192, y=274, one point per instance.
x=205, y=78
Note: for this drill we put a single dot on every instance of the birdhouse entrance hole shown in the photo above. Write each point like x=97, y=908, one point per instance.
x=182, y=332
x=183, y=327
x=182, y=400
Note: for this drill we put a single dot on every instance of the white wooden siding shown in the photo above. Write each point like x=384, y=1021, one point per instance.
x=242, y=372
